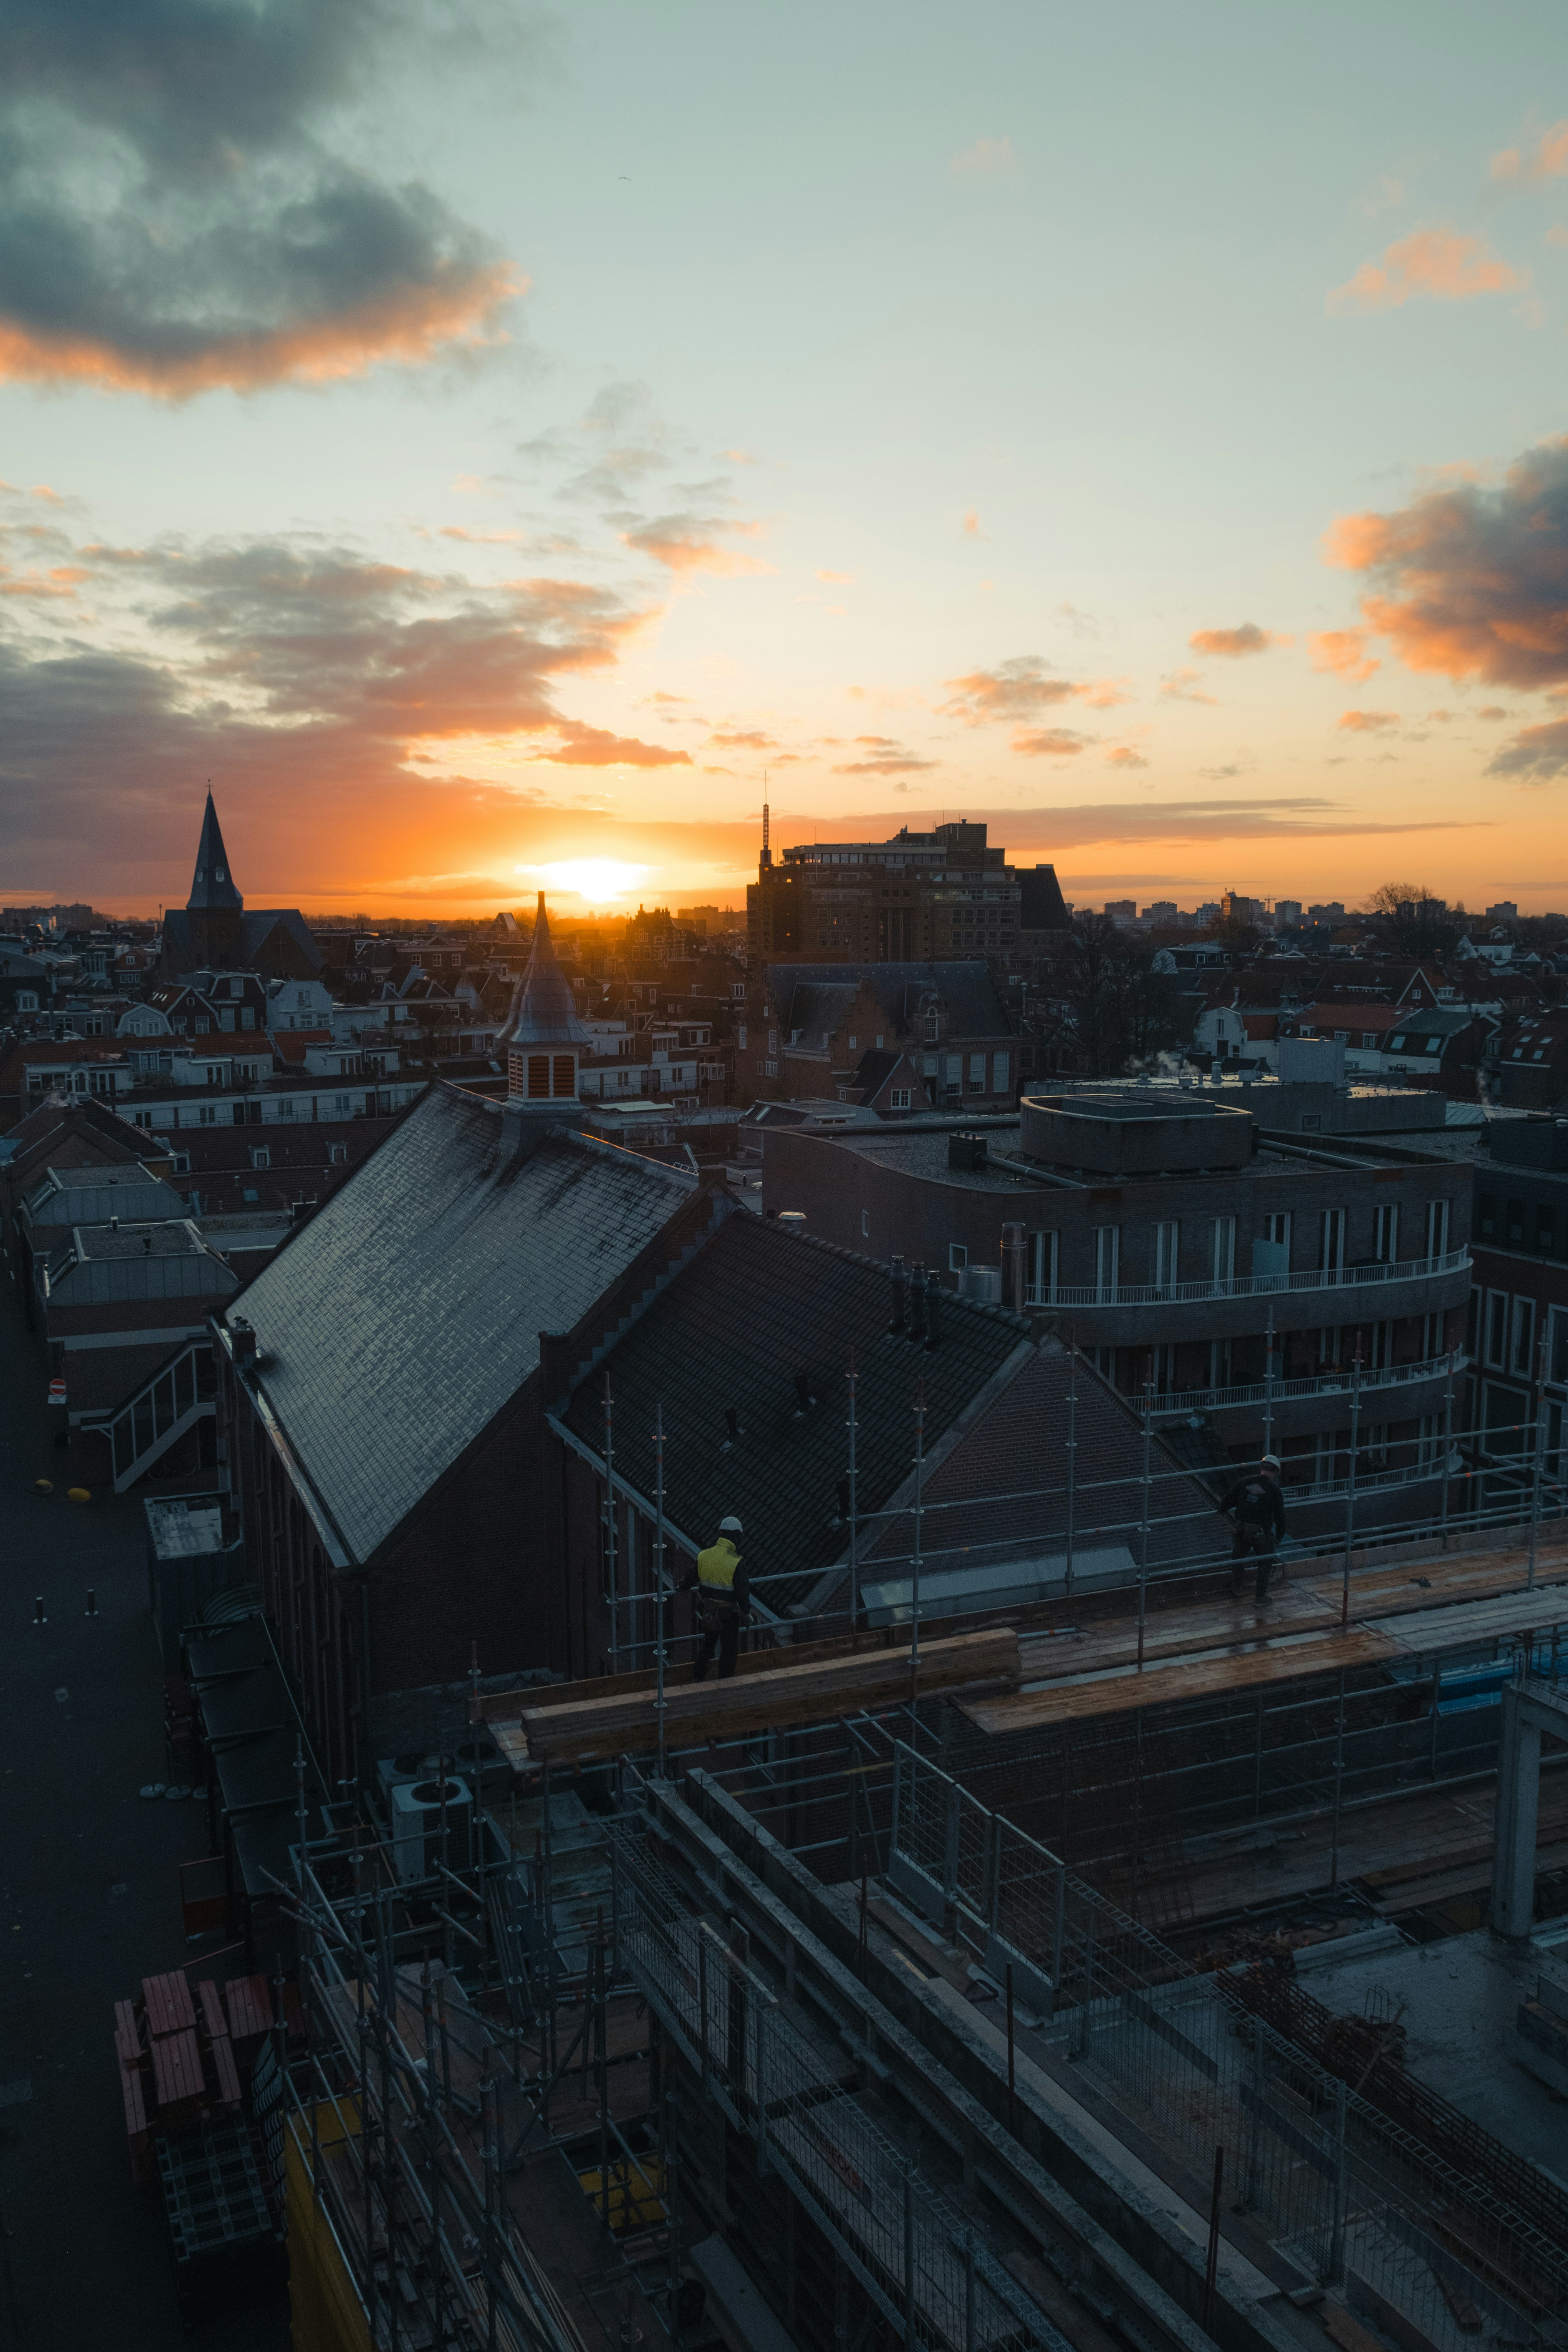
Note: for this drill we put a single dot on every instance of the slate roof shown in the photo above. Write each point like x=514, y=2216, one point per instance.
x=400, y=1320
x=753, y=1307
x=1018, y=1451
x=255, y=926
x=966, y=989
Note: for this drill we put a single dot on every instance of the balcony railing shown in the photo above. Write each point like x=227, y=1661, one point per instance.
x=1255, y=1285
x=1373, y=1383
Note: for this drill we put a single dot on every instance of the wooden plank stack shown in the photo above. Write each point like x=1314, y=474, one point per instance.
x=618, y=1721
x=178, y=2069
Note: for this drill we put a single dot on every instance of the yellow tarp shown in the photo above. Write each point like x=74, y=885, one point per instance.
x=636, y=2190
x=326, y=2313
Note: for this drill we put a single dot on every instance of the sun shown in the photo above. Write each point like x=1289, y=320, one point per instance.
x=600, y=880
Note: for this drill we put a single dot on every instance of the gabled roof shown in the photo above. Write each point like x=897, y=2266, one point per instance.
x=756, y=1305
x=401, y=1319
x=966, y=989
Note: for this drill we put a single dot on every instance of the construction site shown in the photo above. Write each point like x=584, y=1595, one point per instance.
x=1133, y=1967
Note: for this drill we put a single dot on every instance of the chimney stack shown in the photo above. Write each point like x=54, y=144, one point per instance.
x=1013, y=1262
x=898, y=1322
x=918, y=1284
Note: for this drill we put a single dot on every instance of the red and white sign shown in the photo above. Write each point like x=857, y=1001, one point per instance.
x=56, y=1391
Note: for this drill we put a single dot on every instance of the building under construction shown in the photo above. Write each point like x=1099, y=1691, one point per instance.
x=1078, y=1983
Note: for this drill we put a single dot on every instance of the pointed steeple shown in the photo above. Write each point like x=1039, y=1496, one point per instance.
x=213, y=887
x=543, y=1011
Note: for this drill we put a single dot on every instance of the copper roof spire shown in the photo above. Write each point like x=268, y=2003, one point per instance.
x=543, y=1011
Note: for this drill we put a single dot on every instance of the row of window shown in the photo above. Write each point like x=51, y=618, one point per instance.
x=1270, y=1250
x=1510, y=1334
x=1523, y=1224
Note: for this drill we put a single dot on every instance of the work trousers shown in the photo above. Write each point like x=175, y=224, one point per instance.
x=1252, y=1543
x=718, y=1631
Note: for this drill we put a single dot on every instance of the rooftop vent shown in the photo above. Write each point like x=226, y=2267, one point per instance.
x=966, y=1149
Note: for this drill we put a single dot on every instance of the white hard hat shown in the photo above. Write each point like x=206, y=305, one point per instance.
x=731, y=1527
x=1271, y=1462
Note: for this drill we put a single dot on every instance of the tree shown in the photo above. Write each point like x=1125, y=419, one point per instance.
x=1117, y=1006
x=1413, y=920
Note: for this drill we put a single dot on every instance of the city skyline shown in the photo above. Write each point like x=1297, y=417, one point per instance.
x=483, y=445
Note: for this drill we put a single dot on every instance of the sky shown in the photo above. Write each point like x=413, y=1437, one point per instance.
x=496, y=447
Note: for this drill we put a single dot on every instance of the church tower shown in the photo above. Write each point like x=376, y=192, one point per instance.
x=544, y=1036
x=215, y=907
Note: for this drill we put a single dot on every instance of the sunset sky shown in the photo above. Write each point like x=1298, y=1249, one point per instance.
x=479, y=439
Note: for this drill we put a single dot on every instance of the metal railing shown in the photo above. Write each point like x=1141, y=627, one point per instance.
x=1316, y=1384
x=1256, y=1285
x=180, y=1393
x=1342, y=2187
x=928, y=2273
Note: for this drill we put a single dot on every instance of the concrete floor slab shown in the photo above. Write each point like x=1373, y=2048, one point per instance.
x=1460, y=1996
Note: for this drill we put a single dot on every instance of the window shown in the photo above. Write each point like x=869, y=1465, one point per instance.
x=1276, y=1229
x=1222, y=1250
x=1381, y=1354
x=1332, y=1242
x=1107, y=1260
x=343, y=1105
x=1040, y=1270
x=899, y=1099
x=1495, y=1338
x=1311, y=1123
x=336, y=1154
x=180, y=1162
x=1342, y=1036
x=260, y=1156
x=1166, y=1254
x=957, y=1257
x=209, y=1115
x=854, y=1045
x=1434, y=1045
x=1368, y=1037
x=1219, y=1364
x=1001, y=1073
x=26, y=1000
x=250, y=1193
x=1385, y=1232
x=1162, y=1368
x=1521, y=1340
x=740, y=1034
x=771, y=1069
x=1437, y=1228
x=226, y=1016
x=934, y=1027
x=977, y=1073
x=1486, y=1213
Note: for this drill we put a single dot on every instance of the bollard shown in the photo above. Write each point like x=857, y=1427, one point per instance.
x=39, y=1616
x=91, y=1608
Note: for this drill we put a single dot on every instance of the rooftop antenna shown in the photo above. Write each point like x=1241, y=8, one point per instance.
x=767, y=853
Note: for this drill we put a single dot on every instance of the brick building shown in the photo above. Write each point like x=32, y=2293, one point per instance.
x=822, y=1030
x=381, y=1383
x=917, y=896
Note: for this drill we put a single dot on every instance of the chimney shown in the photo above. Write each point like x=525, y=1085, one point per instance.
x=1013, y=1268
x=242, y=1345
x=934, y=1333
x=897, y=1271
x=918, y=1284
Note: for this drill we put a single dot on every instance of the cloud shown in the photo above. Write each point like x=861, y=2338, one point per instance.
x=592, y=747
x=1015, y=689
x=1232, y=644
x=1471, y=581
x=1535, y=753
x=1547, y=161
x=1125, y=756
x=1368, y=722
x=1557, y=234
x=1437, y=263
x=1183, y=686
x=971, y=524
x=1491, y=710
x=694, y=542
x=987, y=159
x=744, y=742
x=1385, y=195
x=884, y=757
x=837, y=579
x=174, y=217
x=1344, y=653
x=1050, y=743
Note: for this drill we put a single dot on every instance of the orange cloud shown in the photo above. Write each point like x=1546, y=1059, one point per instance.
x=1368, y=722
x=62, y=579
x=459, y=305
x=1183, y=686
x=1470, y=581
x=837, y=579
x=1548, y=159
x=691, y=542
x=1437, y=263
x=1049, y=743
x=1344, y=653
x=1232, y=644
x=593, y=747
x=971, y=524
x=1125, y=756
x=884, y=757
x=743, y=743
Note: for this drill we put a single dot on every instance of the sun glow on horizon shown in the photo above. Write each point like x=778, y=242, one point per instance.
x=601, y=881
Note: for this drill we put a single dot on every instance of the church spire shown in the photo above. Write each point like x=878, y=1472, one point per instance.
x=543, y=1010
x=213, y=887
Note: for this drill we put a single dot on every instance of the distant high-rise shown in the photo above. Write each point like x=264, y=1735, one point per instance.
x=916, y=897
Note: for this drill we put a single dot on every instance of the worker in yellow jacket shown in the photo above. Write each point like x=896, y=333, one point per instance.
x=724, y=1601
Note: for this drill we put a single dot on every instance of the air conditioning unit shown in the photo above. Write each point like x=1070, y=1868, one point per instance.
x=416, y=1827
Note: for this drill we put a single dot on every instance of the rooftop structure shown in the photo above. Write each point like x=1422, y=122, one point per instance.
x=918, y=895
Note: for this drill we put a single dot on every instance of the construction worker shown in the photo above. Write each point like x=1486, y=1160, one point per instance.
x=724, y=1601
x=1257, y=1510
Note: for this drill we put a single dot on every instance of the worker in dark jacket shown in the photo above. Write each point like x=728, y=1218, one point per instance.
x=1257, y=1510
x=724, y=1601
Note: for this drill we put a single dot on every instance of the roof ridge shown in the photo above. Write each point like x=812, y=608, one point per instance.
x=880, y=1266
